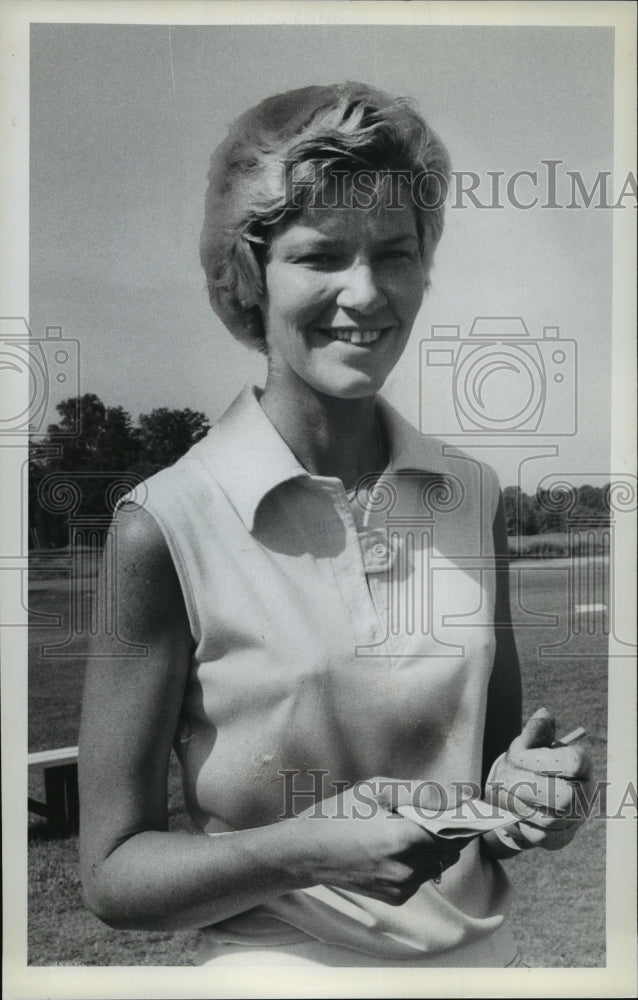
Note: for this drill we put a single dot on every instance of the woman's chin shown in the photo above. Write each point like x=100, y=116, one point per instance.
x=345, y=381
x=359, y=388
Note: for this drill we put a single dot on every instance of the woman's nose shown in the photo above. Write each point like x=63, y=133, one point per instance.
x=360, y=289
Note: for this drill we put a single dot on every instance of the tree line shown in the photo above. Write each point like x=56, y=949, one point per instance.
x=71, y=473
x=111, y=448
x=555, y=510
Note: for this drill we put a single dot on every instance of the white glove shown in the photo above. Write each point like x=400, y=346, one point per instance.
x=538, y=780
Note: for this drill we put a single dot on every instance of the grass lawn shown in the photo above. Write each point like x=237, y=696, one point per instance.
x=62, y=932
x=552, y=544
x=559, y=898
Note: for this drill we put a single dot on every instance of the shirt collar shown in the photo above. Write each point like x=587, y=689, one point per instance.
x=409, y=449
x=249, y=458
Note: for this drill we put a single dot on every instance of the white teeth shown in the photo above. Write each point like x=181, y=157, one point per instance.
x=353, y=336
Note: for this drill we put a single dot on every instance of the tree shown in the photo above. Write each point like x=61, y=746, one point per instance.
x=93, y=436
x=591, y=505
x=529, y=515
x=94, y=445
x=511, y=504
x=520, y=512
x=79, y=431
x=97, y=444
x=119, y=445
x=45, y=528
x=551, y=515
x=165, y=435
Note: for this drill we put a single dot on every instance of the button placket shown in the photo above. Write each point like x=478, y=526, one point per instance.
x=381, y=552
x=350, y=571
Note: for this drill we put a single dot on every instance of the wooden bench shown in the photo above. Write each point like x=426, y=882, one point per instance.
x=61, y=801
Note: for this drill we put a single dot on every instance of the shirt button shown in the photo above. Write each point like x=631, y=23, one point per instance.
x=379, y=550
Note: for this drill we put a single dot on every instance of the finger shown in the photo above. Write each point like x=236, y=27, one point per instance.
x=554, y=796
x=544, y=760
x=516, y=786
x=576, y=763
x=571, y=762
x=528, y=835
x=522, y=790
x=534, y=836
x=539, y=731
x=392, y=895
x=382, y=790
x=540, y=760
x=414, y=870
x=396, y=881
x=551, y=822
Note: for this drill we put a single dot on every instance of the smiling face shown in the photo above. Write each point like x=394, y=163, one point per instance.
x=343, y=288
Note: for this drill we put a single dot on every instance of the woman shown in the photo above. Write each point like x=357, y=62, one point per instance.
x=320, y=594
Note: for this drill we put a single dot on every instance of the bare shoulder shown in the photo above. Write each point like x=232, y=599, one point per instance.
x=140, y=541
x=149, y=595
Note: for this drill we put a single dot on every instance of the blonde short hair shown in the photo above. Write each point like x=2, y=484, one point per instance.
x=315, y=131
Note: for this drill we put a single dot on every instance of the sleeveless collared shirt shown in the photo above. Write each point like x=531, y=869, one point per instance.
x=336, y=639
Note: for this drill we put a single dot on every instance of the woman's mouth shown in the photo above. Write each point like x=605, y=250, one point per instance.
x=352, y=335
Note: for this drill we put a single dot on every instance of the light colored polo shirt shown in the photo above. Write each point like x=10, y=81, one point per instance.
x=336, y=639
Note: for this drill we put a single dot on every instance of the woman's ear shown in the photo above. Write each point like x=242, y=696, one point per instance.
x=250, y=288
x=249, y=271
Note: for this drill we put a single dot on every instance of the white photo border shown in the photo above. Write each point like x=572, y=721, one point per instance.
x=619, y=976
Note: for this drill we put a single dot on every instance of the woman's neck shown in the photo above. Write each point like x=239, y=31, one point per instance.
x=333, y=437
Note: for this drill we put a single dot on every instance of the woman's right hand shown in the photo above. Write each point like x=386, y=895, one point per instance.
x=356, y=841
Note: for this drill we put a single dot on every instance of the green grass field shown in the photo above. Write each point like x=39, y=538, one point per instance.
x=559, y=898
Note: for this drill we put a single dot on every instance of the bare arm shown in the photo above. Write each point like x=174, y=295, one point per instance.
x=135, y=873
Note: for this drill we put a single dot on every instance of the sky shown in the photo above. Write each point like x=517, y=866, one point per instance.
x=123, y=121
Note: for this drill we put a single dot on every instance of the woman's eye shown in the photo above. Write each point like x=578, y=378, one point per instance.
x=319, y=260
x=397, y=254
x=333, y=260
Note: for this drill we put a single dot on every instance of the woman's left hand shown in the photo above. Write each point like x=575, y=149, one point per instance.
x=543, y=782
